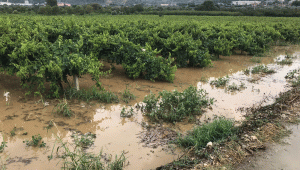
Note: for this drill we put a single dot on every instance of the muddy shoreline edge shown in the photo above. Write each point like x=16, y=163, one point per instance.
x=262, y=125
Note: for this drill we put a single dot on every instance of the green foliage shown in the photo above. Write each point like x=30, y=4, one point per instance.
x=285, y=62
x=233, y=87
x=296, y=83
x=247, y=71
x=207, y=6
x=218, y=130
x=35, y=141
x=3, y=145
x=51, y=2
x=220, y=81
x=13, y=133
x=62, y=108
x=125, y=113
x=85, y=140
x=175, y=106
x=262, y=69
x=296, y=3
x=49, y=49
x=91, y=94
x=183, y=163
x=292, y=74
x=127, y=95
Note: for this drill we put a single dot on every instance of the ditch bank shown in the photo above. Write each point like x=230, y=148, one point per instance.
x=256, y=145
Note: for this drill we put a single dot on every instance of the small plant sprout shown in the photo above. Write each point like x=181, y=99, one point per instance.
x=233, y=87
x=6, y=95
x=63, y=108
x=127, y=96
x=125, y=113
x=35, y=141
x=3, y=145
x=13, y=133
x=44, y=102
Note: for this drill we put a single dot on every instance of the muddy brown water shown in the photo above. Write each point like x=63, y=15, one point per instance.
x=116, y=134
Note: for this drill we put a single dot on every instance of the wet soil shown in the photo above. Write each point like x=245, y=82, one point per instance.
x=278, y=156
x=115, y=134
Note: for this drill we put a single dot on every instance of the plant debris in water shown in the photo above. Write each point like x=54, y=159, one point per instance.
x=155, y=136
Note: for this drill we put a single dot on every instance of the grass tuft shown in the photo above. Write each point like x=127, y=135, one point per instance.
x=62, y=108
x=216, y=131
x=91, y=94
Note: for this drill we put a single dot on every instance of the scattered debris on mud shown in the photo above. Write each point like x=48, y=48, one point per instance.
x=155, y=136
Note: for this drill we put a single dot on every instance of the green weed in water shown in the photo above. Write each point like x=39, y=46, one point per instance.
x=262, y=69
x=292, y=74
x=220, y=81
x=125, y=113
x=91, y=94
x=62, y=108
x=175, y=106
x=85, y=140
x=127, y=96
x=3, y=145
x=13, y=133
x=77, y=158
x=35, y=141
x=285, y=62
x=215, y=131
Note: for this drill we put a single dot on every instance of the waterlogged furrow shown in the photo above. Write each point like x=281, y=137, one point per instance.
x=116, y=134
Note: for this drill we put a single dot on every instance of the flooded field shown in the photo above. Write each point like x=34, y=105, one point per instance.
x=114, y=134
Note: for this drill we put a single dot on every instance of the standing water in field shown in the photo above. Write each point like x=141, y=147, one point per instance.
x=21, y=119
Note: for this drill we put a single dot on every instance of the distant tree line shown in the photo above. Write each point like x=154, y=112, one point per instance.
x=206, y=8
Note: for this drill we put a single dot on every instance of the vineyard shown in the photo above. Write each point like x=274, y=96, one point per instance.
x=40, y=49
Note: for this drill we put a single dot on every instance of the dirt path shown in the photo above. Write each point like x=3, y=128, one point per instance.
x=278, y=156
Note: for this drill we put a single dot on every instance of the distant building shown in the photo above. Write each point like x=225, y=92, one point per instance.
x=63, y=4
x=245, y=2
x=6, y=3
x=26, y=3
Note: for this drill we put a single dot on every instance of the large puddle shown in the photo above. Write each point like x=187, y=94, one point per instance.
x=115, y=134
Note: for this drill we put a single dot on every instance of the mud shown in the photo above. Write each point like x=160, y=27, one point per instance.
x=129, y=135
x=278, y=156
